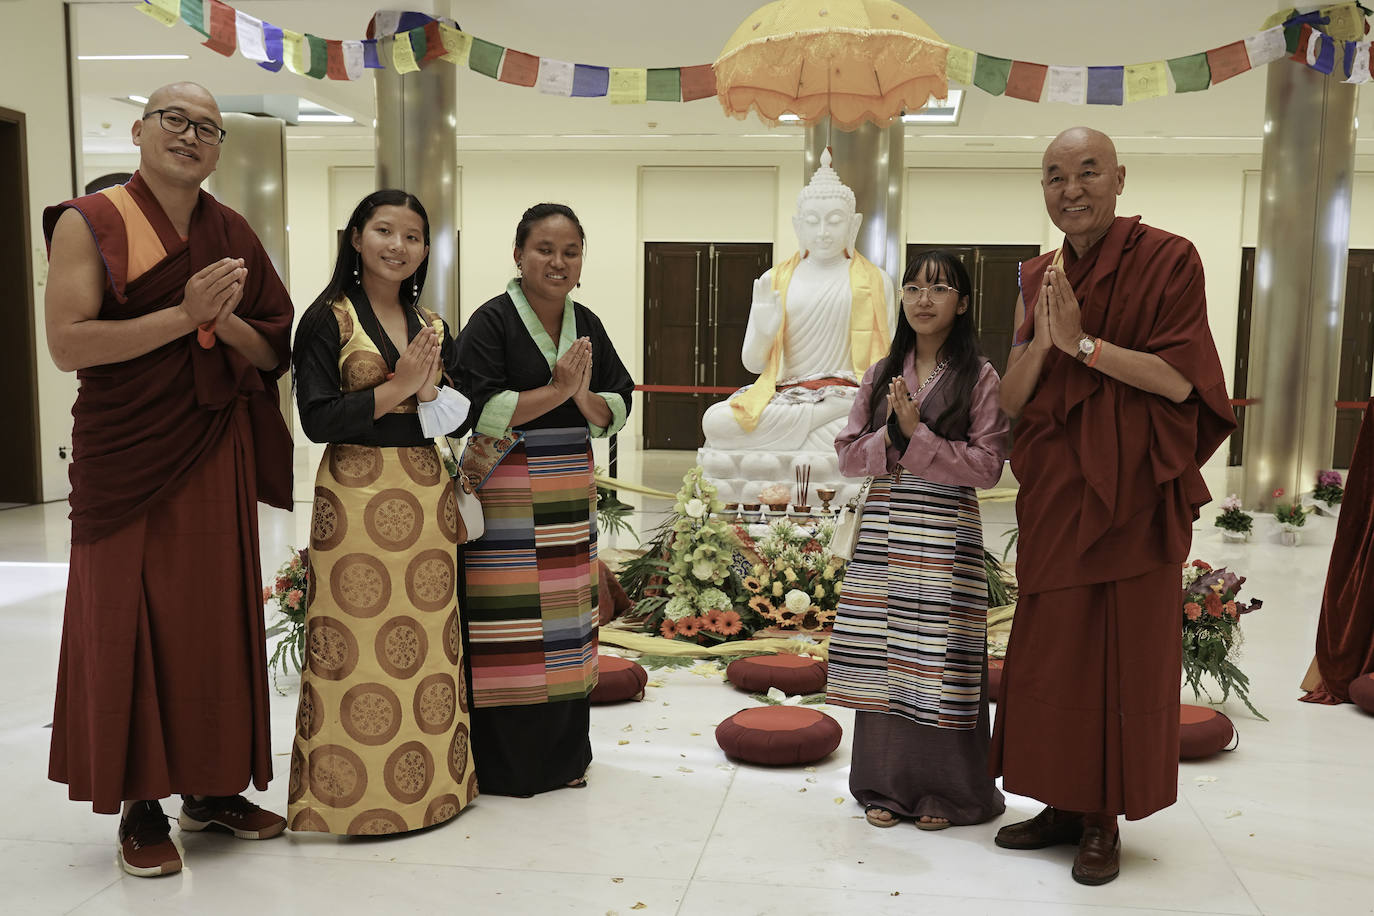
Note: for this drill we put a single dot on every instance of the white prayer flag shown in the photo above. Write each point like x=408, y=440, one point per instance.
x=353, y=59
x=1314, y=47
x=249, y=29
x=1066, y=84
x=1359, y=67
x=1266, y=47
x=555, y=77
x=386, y=22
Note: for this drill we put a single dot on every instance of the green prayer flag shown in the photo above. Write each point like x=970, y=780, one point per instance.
x=485, y=57
x=665, y=85
x=990, y=74
x=319, y=57
x=418, y=43
x=1191, y=73
x=193, y=14
x=1292, y=34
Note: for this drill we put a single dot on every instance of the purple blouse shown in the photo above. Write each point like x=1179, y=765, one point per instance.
x=974, y=463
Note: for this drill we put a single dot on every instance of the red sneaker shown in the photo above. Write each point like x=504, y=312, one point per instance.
x=229, y=813
x=146, y=849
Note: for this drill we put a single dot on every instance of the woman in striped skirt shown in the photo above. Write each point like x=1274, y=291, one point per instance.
x=909, y=646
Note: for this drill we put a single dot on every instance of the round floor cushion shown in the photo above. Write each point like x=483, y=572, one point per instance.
x=620, y=679
x=1202, y=732
x=792, y=674
x=1362, y=692
x=778, y=735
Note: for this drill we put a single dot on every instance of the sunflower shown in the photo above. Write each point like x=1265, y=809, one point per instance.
x=753, y=584
x=668, y=628
x=811, y=620
x=689, y=626
x=761, y=606
x=730, y=623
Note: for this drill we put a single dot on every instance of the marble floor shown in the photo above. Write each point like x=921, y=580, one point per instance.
x=1280, y=826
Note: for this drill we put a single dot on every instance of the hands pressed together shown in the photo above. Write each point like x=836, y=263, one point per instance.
x=419, y=365
x=572, y=374
x=900, y=402
x=1058, y=318
x=214, y=292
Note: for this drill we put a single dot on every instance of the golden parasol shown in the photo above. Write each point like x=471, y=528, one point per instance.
x=854, y=60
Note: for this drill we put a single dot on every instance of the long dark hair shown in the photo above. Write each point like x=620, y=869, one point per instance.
x=960, y=347
x=544, y=211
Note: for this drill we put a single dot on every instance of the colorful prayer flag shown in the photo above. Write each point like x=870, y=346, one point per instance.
x=555, y=77
x=697, y=82
x=456, y=45
x=1321, y=53
x=1294, y=37
x=1265, y=47
x=1359, y=66
x=519, y=68
x=959, y=63
x=1026, y=81
x=384, y=22
x=403, y=54
x=990, y=74
x=1104, y=85
x=193, y=14
x=295, y=52
x=334, y=66
x=1345, y=21
x=354, y=62
x=663, y=85
x=1191, y=73
x=166, y=12
x=248, y=31
x=1280, y=17
x=434, y=43
x=370, y=58
x=485, y=57
x=590, y=82
x=1227, y=61
x=271, y=42
x=319, y=57
x=1067, y=84
x=628, y=85
x=223, y=29
x=1146, y=81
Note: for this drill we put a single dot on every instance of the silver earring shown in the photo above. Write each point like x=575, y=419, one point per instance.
x=415, y=287
x=357, y=263
x=519, y=269
x=579, y=284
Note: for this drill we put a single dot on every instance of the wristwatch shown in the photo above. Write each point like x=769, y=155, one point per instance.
x=1086, y=347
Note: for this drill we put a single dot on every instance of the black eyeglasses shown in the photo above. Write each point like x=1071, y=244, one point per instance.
x=175, y=123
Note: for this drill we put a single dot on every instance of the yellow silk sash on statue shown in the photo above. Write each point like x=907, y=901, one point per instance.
x=868, y=334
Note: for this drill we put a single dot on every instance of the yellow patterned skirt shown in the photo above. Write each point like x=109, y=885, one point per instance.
x=382, y=726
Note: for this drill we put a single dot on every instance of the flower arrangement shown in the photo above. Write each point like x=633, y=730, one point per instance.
x=1289, y=516
x=1232, y=518
x=1211, y=630
x=700, y=551
x=1329, y=488
x=796, y=583
x=288, y=594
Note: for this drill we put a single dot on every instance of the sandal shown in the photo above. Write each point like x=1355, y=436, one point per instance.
x=870, y=814
x=932, y=824
x=578, y=783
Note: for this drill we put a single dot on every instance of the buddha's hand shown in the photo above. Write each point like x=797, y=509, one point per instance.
x=765, y=313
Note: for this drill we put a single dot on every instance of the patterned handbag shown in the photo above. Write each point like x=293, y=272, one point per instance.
x=846, y=536
x=482, y=454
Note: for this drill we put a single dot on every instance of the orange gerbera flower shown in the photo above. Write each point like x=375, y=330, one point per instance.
x=1192, y=610
x=1230, y=609
x=730, y=623
x=689, y=626
x=668, y=628
x=711, y=620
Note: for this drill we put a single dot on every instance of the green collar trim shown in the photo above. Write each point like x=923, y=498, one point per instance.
x=566, y=336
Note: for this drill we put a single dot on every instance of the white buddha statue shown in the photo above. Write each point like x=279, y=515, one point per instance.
x=817, y=322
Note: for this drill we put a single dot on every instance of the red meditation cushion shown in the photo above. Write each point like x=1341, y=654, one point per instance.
x=1362, y=692
x=619, y=679
x=778, y=735
x=792, y=674
x=1202, y=732
x=995, y=679
x=611, y=600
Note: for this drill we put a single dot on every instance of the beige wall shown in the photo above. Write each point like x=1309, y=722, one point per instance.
x=35, y=52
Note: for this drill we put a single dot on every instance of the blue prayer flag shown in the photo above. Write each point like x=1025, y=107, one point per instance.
x=590, y=82
x=1104, y=85
x=370, y=60
x=271, y=42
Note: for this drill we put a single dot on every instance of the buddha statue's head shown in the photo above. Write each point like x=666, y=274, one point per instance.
x=825, y=221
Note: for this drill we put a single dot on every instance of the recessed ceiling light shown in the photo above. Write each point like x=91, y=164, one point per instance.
x=140, y=99
x=938, y=111
x=133, y=57
x=330, y=118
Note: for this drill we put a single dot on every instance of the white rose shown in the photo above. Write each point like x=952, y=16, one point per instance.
x=703, y=569
x=695, y=508
x=797, y=601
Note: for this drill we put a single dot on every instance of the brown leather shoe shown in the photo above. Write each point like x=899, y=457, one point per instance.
x=1099, y=856
x=1048, y=828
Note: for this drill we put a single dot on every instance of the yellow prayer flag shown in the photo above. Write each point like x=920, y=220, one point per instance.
x=959, y=65
x=402, y=54
x=1347, y=22
x=1279, y=18
x=1146, y=81
x=295, y=52
x=456, y=45
x=629, y=85
x=167, y=12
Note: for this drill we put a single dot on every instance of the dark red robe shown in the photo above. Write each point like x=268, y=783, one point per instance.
x=1109, y=488
x=162, y=681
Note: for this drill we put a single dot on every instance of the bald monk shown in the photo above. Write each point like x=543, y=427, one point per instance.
x=164, y=303
x=1120, y=398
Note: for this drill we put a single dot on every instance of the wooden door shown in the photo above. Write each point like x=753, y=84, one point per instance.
x=1357, y=348
x=20, y=475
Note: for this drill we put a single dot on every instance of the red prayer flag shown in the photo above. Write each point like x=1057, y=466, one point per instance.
x=519, y=69
x=1026, y=80
x=224, y=31
x=698, y=82
x=434, y=43
x=336, y=69
x=1227, y=61
x=1304, y=39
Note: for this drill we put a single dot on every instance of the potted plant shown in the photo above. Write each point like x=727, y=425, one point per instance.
x=1290, y=518
x=1211, y=631
x=1234, y=522
x=288, y=595
x=1328, y=493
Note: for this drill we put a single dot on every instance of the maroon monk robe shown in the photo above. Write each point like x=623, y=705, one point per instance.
x=1345, y=633
x=162, y=681
x=1109, y=487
